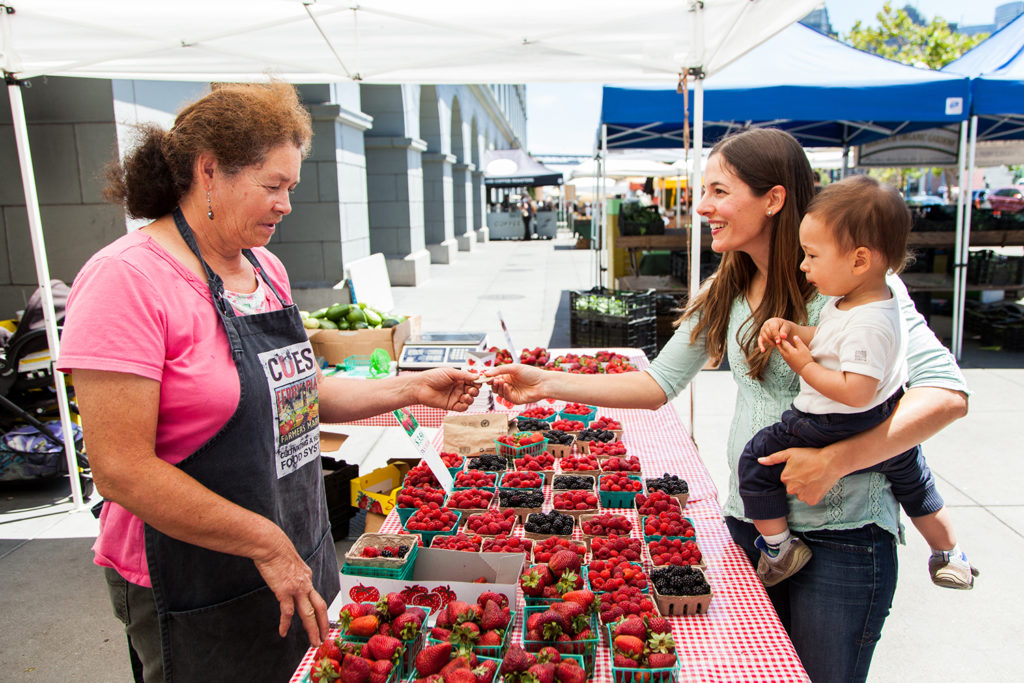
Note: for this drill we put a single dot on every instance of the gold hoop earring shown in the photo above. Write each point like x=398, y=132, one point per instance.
x=209, y=206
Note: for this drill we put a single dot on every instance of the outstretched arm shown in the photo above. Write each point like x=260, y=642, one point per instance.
x=526, y=384
x=344, y=399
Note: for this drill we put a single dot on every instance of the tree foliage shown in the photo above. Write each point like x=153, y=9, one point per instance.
x=899, y=38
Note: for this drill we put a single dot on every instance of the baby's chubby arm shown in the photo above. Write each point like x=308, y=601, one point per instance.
x=849, y=388
x=774, y=330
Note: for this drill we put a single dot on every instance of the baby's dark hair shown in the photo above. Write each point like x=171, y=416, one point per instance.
x=862, y=212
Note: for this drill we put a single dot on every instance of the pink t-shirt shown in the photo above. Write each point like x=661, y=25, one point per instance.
x=135, y=309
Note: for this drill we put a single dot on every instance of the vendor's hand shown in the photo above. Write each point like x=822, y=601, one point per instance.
x=518, y=383
x=291, y=580
x=446, y=388
x=806, y=475
x=795, y=353
x=773, y=331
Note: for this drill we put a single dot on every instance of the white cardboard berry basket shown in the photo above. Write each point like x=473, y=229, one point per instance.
x=354, y=555
x=464, y=528
x=540, y=537
x=682, y=605
x=702, y=565
x=590, y=537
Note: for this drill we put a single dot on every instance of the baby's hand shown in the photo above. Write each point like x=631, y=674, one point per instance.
x=773, y=331
x=795, y=353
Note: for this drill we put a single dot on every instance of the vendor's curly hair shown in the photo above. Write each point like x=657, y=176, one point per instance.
x=238, y=123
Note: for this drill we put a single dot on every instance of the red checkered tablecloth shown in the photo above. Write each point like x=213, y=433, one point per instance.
x=740, y=638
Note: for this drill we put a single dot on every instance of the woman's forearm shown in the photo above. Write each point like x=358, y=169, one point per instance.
x=626, y=390
x=345, y=399
x=921, y=413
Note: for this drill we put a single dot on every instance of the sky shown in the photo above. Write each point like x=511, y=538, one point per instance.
x=562, y=117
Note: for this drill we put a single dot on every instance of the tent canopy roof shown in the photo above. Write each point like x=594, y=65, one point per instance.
x=516, y=168
x=824, y=92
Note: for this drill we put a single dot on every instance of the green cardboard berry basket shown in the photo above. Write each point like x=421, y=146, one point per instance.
x=502, y=487
x=489, y=651
x=647, y=545
x=642, y=674
x=587, y=648
x=412, y=647
x=647, y=539
x=497, y=478
x=510, y=453
x=637, y=565
x=414, y=674
x=428, y=536
x=534, y=601
x=619, y=499
x=381, y=567
x=585, y=419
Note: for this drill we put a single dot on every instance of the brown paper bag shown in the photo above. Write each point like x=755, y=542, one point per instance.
x=469, y=434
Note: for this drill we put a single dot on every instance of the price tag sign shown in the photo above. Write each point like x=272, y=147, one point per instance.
x=426, y=450
x=508, y=338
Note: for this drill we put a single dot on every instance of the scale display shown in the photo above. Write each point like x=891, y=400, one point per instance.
x=440, y=349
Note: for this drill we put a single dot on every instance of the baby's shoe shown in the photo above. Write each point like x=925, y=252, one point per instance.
x=951, y=570
x=779, y=564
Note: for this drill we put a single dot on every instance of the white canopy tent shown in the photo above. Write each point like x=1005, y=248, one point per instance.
x=374, y=41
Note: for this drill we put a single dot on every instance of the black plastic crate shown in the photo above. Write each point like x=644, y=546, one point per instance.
x=640, y=333
x=599, y=303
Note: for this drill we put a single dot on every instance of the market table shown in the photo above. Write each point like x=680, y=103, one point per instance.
x=740, y=638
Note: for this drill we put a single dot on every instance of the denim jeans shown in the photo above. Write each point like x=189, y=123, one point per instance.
x=134, y=607
x=834, y=608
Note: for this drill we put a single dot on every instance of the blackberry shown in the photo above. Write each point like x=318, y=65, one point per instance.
x=558, y=437
x=573, y=482
x=549, y=523
x=676, y=580
x=603, y=435
x=521, y=498
x=529, y=424
x=488, y=462
x=403, y=550
x=668, y=483
x=386, y=553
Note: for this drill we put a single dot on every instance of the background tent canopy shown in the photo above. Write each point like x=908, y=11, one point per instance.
x=516, y=168
x=826, y=93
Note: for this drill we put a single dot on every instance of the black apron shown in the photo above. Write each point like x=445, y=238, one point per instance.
x=218, y=618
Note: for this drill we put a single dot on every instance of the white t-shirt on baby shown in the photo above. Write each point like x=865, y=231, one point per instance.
x=869, y=340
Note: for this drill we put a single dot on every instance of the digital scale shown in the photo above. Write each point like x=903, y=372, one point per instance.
x=440, y=349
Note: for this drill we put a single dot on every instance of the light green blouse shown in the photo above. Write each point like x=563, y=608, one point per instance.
x=855, y=500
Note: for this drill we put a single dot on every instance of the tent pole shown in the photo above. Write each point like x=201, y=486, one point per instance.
x=35, y=226
x=965, y=242
x=963, y=198
x=602, y=225
x=846, y=161
x=696, y=188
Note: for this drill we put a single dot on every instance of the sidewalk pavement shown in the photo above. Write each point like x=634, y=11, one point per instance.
x=56, y=621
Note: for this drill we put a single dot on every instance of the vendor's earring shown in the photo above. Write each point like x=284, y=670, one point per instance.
x=209, y=206
x=770, y=212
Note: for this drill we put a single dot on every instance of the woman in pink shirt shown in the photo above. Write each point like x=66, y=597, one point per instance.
x=201, y=399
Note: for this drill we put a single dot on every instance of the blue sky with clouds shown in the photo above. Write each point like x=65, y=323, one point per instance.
x=562, y=117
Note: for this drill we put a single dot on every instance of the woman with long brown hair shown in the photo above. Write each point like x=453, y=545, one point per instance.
x=758, y=184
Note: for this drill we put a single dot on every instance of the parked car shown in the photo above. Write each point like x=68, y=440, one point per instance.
x=920, y=200
x=1007, y=199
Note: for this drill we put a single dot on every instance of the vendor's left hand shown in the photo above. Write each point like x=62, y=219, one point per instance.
x=446, y=388
x=806, y=474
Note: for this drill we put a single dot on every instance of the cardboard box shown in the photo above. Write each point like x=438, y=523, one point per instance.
x=440, y=576
x=337, y=345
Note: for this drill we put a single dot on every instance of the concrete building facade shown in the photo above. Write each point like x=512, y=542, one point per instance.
x=395, y=169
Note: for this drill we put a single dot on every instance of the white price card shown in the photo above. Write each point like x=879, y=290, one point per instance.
x=426, y=450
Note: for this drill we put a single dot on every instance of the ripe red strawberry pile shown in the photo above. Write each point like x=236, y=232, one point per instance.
x=625, y=602
x=564, y=623
x=609, y=575
x=421, y=475
x=555, y=578
x=575, y=500
x=618, y=481
x=567, y=425
x=522, y=480
x=389, y=616
x=478, y=626
x=467, y=542
x=432, y=518
x=617, y=547
x=444, y=662
x=451, y=459
x=475, y=479
x=579, y=463
x=602, y=525
x=520, y=666
x=621, y=464
x=544, y=550
x=538, y=412
x=610, y=448
x=542, y=462
x=535, y=356
x=492, y=522
x=507, y=544
x=656, y=502
x=577, y=409
x=643, y=643
x=416, y=497
x=668, y=524
x=520, y=439
x=674, y=551
x=605, y=423
x=374, y=660
x=470, y=499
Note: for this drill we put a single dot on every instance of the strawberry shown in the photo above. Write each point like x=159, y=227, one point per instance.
x=380, y=671
x=661, y=643
x=661, y=660
x=460, y=676
x=631, y=626
x=325, y=670
x=380, y=647
x=493, y=617
x=563, y=561
x=549, y=654
x=486, y=671
x=390, y=606
x=491, y=638
x=534, y=579
x=499, y=598
x=350, y=612
x=630, y=646
x=438, y=633
x=364, y=626
x=584, y=598
x=433, y=658
x=552, y=624
x=543, y=673
x=658, y=625
x=569, y=671
x=356, y=670
x=405, y=626
x=329, y=648
x=516, y=661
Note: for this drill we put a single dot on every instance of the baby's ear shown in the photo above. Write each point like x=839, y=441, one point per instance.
x=861, y=259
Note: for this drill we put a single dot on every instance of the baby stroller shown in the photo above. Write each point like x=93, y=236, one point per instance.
x=32, y=446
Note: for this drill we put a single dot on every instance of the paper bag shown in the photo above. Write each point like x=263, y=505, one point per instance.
x=469, y=434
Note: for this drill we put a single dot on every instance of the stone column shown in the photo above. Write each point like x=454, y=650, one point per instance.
x=463, y=200
x=438, y=212
x=480, y=207
x=394, y=174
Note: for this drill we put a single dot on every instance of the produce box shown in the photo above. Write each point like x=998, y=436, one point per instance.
x=335, y=346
